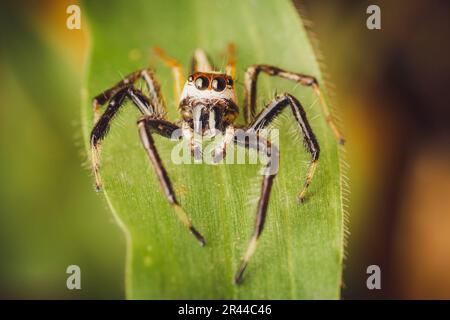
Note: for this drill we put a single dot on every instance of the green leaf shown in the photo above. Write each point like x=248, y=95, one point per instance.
x=301, y=249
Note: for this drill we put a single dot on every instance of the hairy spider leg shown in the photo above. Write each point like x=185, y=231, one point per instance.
x=200, y=62
x=177, y=72
x=153, y=120
x=164, y=128
x=231, y=61
x=101, y=128
x=152, y=84
x=271, y=111
x=251, y=77
x=260, y=144
x=263, y=119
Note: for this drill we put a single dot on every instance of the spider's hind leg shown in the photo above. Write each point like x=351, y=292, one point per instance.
x=147, y=125
x=200, y=62
x=231, y=61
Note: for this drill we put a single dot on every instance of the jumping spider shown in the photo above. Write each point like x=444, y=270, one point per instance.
x=207, y=94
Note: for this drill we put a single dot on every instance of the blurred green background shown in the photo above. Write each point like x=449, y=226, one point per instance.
x=50, y=215
x=391, y=90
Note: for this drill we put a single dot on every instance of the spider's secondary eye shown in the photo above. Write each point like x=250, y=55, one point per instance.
x=191, y=78
x=201, y=83
x=218, y=84
x=230, y=82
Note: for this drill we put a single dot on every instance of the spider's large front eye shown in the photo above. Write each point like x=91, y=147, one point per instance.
x=218, y=84
x=201, y=83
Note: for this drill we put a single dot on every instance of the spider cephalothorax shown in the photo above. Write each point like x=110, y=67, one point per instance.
x=208, y=103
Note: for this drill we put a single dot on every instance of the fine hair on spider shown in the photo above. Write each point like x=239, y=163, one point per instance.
x=208, y=103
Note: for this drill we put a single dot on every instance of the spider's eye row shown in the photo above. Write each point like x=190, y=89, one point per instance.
x=218, y=84
x=201, y=83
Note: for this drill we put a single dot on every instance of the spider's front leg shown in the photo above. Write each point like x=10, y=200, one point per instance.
x=251, y=77
x=254, y=141
x=271, y=111
x=147, y=125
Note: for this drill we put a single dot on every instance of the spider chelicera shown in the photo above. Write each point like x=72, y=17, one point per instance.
x=204, y=96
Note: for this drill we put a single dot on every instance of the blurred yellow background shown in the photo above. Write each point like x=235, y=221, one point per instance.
x=391, y=90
